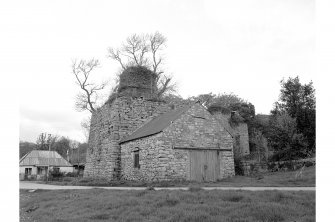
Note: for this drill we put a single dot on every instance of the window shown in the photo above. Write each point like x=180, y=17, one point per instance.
x=137, y=159
x=27, y=171
x=55, y=169
x=41, y=170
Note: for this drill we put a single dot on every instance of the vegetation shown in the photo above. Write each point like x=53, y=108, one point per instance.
x=150, y=205
x=289, y=178
x=26, y=147
x=87, y=98
x=226, y=103
x=290, y=128
x=63, y=145
x=144, y=51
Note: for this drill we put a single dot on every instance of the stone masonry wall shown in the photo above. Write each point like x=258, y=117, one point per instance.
x=239, y=132
x=160, y=161
x=242, y=130
x=109, y=125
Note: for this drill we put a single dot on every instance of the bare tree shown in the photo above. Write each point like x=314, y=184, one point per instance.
x=87, y=98
x=145, y=50
x=45, y=140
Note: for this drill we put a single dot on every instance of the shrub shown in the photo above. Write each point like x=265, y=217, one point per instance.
x=71, y=174
x=309, y=163
x=55, y=174
x=272, y=166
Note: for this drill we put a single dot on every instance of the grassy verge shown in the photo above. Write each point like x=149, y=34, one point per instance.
x=267, y=179
x=150, y=205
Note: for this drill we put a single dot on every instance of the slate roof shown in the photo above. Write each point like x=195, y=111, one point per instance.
x=43, y=158
x=156, y=125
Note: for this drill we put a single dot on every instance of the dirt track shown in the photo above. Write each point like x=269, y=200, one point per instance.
x=34, y=186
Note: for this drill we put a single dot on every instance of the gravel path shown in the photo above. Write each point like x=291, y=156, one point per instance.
x=33, y=186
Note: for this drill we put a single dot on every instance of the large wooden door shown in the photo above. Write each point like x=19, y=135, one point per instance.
x=204, y=165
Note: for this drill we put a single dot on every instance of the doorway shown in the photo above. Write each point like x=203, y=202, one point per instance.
x=204, y=165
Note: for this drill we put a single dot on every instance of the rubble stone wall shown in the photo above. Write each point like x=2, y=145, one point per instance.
x=238, y=131
x=109, y=124
x=161, y=160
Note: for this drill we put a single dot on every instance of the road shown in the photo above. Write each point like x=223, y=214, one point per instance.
x=34, y=186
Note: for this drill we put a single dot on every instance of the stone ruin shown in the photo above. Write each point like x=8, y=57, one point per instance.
x=134, y=105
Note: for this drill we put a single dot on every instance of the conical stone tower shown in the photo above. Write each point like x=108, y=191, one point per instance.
x=134, y=105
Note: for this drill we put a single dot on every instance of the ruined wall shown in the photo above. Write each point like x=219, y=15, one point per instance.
x=109, y=125
x=238, y=131
x=160, y=161
x=241, y=130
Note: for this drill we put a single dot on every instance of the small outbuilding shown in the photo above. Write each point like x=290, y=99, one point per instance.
x=183, y=144
x=35, y=164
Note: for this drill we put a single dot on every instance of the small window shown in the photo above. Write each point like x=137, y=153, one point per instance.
x=41, y=170
x=27, y=171
x=56, y=169
x=137, y=159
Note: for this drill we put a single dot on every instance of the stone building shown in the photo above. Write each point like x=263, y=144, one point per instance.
x=134, y=136
x=187, y=143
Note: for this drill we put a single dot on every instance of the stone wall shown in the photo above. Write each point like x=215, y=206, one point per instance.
x=109, y=125
x=239, y=131
x=196, y=128
x=158, y=161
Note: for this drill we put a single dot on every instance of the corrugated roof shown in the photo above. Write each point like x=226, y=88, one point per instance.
x=156, y=125
x=43, y=158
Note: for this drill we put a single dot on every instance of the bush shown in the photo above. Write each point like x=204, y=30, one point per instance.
x=92, y=181
x=288, y=165
x=272, y=167
x=309, y=163
x=71, y=174
x=55, y=174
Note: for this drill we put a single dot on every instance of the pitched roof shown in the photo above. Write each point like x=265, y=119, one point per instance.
x=156, y=125
x=43, y=158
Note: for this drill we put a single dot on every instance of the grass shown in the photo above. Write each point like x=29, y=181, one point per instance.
x=268, y=179
x=149, y=205
x=275, y=179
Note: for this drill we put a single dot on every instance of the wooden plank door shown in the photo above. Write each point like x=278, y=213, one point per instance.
x=204, y=165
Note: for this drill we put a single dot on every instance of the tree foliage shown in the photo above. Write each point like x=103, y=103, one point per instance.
x=26, y=147
x=63, y=145
x=298, y=100
x=145, y=50
x=227, y=103
x=45, y=140
x=291, y=130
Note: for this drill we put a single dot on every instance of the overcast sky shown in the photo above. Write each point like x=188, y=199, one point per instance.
x=241, y=46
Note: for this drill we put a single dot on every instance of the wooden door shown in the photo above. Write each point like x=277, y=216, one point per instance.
x=204, y=165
